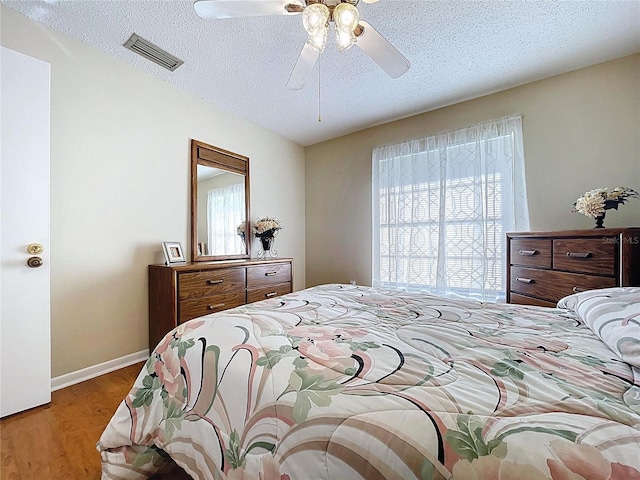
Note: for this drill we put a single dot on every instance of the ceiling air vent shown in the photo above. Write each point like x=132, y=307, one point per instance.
x=152, y=52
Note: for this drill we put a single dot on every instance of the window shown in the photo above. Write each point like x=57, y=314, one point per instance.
x=225, y=211
x=441, y=208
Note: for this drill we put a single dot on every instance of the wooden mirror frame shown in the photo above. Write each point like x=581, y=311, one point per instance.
x=208, y=155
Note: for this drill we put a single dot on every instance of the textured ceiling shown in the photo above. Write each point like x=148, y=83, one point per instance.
x=458, y=50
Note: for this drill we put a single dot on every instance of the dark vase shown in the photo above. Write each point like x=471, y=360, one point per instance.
x=266, y=243
x=600, y=220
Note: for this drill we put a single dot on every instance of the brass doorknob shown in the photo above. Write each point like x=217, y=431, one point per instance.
x=35, y=249
x=35, y=262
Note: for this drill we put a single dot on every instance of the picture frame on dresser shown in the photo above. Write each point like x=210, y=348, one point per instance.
x=173, y=253
x=543, y=267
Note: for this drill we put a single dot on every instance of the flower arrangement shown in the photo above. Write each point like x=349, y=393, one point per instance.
x=266, y=227
x=241, y=229
x=595, y=203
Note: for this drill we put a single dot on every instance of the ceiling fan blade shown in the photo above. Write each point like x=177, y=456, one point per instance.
x=380, y=50
x=245, y=8
x=303, y=67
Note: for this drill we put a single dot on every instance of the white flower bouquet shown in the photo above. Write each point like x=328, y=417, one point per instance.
x=595, y=202
x=266, y=227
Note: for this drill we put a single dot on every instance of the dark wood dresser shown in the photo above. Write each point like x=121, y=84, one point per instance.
x=543, y=267
x=178, y=293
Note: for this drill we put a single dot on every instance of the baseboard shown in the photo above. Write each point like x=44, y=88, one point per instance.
x=88, y=373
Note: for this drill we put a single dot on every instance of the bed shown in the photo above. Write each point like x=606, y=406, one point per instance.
x=349, y=382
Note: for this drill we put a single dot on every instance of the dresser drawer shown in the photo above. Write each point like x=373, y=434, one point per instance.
x=524, y=300
x=210, y=282
x=198, y=307
x=272, y=274
x=268, y=292
x=551, y=285
x=531, y=251
x=180, y=292
x=588, y=255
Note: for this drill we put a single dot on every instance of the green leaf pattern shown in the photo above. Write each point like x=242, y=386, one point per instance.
x=310, y=389
x=468, y=441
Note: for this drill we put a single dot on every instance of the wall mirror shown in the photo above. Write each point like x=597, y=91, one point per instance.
x=219, y=204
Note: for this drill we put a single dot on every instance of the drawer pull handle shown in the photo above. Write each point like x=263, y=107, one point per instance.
x=528, y=253
x=578, y=289
x=525, y=280
x=213, y=307
x=215, y=282
x=272, y=294
x=578, y=255
x=270, y=274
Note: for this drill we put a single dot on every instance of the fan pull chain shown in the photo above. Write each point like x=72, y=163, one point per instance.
x=319, y=104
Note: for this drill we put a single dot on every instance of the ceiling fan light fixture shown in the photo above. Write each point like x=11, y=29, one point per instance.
x=316, y=17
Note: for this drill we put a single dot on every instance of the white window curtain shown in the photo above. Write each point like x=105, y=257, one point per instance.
x=442, y=206
x=225, y=212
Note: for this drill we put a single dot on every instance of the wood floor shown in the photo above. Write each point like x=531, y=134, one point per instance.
x=58, y=441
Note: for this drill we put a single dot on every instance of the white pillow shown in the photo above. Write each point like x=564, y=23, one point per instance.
x=613, y=314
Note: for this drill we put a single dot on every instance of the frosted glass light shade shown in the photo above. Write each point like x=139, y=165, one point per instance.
x=344, y=39
x=346, y=17
x=315, y=17
x=318, y=40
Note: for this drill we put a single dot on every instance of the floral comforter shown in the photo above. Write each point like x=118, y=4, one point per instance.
x=343, y=382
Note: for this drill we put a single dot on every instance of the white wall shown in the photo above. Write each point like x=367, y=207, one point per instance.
x=120, y=186
x=581, y=131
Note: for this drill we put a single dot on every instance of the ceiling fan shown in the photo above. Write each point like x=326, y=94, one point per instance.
x=316, y=17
